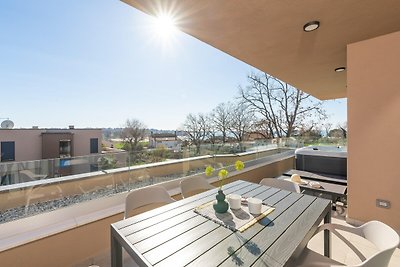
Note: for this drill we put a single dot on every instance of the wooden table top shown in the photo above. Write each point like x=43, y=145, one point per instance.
x=174, y=235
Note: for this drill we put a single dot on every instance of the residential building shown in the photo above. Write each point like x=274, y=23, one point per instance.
x=35, y=144
x=167, y=140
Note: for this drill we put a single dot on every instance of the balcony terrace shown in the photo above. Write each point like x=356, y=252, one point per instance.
x=65, y=208
x=360, y=37
x=56, y=229
x=354, y=52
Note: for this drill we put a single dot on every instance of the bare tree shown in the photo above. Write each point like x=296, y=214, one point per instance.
x=220, y=116
x=282, y=106
x=262, y=127
x=327, y=127
x=133, y=132
x=195, y=128
x=310, y=129
x=343, y=127
x=336, y=133
x=241, y=121
x=211, y=129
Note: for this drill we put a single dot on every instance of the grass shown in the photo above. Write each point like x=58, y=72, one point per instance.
x=119, y=145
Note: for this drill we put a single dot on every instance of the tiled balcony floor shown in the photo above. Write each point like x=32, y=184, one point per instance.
x=340, y=252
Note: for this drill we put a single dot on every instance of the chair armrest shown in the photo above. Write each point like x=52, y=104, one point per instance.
x=319, y=264
x=333, y=227
x=355, y=230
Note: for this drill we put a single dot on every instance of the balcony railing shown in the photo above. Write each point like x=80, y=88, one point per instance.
x=28, y=171
x=19, y=200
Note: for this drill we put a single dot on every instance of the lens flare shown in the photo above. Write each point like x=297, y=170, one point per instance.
x=165, y=27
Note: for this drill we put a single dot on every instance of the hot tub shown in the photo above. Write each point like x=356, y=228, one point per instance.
x=329, y=160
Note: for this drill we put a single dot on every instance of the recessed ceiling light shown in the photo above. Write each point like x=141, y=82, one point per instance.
x=311, y=26
x=340, y=69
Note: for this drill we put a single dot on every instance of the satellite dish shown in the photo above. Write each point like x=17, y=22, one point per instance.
x=7, y=124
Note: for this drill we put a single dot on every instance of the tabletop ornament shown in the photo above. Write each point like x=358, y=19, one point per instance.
x=221, y=205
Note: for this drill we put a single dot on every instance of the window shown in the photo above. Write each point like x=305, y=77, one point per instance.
x=7, y=151
x=65, y=148
x=94, y=145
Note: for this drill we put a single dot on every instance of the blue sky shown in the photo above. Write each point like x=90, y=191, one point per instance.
x=95, y=63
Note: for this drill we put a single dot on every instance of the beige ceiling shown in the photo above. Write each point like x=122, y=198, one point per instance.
x=268, y=34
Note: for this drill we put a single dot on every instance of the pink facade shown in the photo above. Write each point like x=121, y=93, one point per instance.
x=30, y=144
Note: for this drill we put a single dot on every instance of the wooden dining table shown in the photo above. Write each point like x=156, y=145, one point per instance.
x=174, y=235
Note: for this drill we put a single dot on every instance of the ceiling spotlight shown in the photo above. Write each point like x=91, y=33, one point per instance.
x=311, y=26
x=340, y=69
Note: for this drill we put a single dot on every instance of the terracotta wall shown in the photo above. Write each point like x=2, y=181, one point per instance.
x=28, y=143
x=373, y=90
x=82, y=140
x=64, y=249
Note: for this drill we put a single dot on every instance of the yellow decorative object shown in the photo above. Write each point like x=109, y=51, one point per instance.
x=239, y=165
x=209, y=170
x=222, y=174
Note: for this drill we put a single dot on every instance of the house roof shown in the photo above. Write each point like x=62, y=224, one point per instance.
x=165, y=139
x=163, y=135
x=268, y=34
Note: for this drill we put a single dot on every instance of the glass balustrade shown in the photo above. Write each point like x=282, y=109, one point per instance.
x=32, y=187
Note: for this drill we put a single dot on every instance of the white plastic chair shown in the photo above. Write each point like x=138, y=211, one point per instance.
x=281, y=184
x=146, y=196
x=194, y=185
x=378, y=233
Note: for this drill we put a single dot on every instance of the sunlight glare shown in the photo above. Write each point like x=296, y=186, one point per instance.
x=165, y=27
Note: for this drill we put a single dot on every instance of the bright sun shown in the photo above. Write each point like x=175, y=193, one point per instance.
x=165, y=28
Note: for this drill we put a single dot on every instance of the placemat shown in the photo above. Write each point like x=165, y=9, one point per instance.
x=235, y=220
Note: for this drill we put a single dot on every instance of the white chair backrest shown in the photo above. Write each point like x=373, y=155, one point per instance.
x=381, y=235
x=145, y=196
x=282, y=184
x=192, y=184
x=27, y=176
x=384, y=238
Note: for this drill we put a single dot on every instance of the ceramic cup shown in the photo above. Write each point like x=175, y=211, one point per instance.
x=255, y=205
x=235, y=201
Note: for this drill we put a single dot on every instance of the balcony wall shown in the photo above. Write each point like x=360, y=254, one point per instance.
x=373, y=89
x=87, y=235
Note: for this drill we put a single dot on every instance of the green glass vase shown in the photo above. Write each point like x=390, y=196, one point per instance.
x=221, y=206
